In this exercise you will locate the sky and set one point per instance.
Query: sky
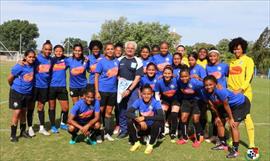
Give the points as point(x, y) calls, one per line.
point(195, 21)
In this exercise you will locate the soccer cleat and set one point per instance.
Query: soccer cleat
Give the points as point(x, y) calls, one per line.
point(54, 130)
point(136, 146)
point(71, 142)
point(220, 147)
point(173, 137)
point(116, 130)
point(44, 132)
point(108, 137)
point(63, 126)
point(25, 134)
point(31, 132)
point(149, 149)
point(181, 141)
point(196, 144)
point(90, 141)
point(14, 139)
point(99, 139)
point(232, 154)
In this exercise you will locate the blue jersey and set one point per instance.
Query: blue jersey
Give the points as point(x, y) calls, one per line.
point(147, 109)
point(146, 62)
point(84, 112)
point(198, 70)
point(167, 89)
point(108, 70)
point(92, 66)
point(77, 72)
point(161, 61)
point(23, 82)
point(190, 90)
point(220, 71)
point(58, 72)
point(220, 95)
point(148, 80)
point(42, 71)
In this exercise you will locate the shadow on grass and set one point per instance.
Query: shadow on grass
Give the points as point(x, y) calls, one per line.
point(47, 125)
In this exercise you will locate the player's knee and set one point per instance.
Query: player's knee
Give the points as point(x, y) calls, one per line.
point(71, 128)
point(97, 126)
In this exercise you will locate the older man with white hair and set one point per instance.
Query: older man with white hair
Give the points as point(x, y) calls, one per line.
point(130, 72)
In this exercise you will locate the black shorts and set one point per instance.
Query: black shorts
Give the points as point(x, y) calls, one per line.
point(18, 100)
point(240, 112)
point(221, 111)
point(40, 94)
point(91, 87)
point(59, 93)
point(108, 98)
point(170, 102)
point(190, 106)
point(76, 92)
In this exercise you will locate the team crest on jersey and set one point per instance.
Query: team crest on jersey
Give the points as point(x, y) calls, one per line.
point(155, 81)
point(115, 63)
point(218, 68)
point(190, 85)
point(167, 59)
point(15, 104)
point(172, 86)
point(150, 107)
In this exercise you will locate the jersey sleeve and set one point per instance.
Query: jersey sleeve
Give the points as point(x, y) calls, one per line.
point(16, 70)
point(97, 106)
point(249, 73)
point(99, 67)
point(157, 87)
point(136, 104)
point(222, 94)
point(158, 105)
point(226, 69)
point(75, 109)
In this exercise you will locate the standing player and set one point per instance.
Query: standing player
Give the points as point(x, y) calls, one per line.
point(240, 76)
point(58, 88)
point(181, 49)
point(20, 96)
point(150, 77)
point(84, 117)
point(196, 71)
point(155, 50)
point(106, 87)
point(149, 119)
point(202, 57)
point(145, 56)
point(177, 66)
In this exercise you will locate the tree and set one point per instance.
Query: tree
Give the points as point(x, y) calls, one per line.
point(69, 42)
point(143, 33)
point(223, 48)
point(10, 34)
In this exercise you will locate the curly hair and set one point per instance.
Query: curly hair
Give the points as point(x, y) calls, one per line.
point(94, 43)
point(238, 41)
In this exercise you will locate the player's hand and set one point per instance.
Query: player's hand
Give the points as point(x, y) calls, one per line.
point(232, 123)
point(126, 93)
point(139, 119)
point(84, 129)
point(195, 76)
point(143, 125)
point(98, 97)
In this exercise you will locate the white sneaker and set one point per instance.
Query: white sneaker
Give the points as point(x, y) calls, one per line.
point(116, 130)
point(166, 130)
point(31, 132)
point(108, 137)
point(43, 131)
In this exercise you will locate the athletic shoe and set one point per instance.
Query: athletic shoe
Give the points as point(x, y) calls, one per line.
point(196, 144)
point(99, 139)
point(211, 139)
point(44, 132)
point(90, 141)
point(122, 135)
point(116, 130)
point(64, 126)
point(71, 142)
point(31, 132)
point(25, 135)
point(108, 137)
point(173, 137)
point(232, 154)
point(181, 141)
point(14, 139)
point(149, 149)
point(220, 147)
point(136, 146)
point(54, 130)
point(166, 129)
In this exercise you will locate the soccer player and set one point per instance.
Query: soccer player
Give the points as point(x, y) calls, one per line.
point(196, 71)
point(118, 50)
point(226, 104)
point(145, 56)
point(155, 50)
point(202, 57)
point(84, 117)
point(145, 115)
point(106, 87)
point(163, 58)
point(77, 65)
point(165, 91)
point(181, 49)
point(58, 89)
point(190, 89)
point(240, 76)
point(95, 47)
point(150, 77)
point(20, 95)
point(177, 66)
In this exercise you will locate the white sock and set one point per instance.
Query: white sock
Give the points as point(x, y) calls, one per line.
point(41, 127)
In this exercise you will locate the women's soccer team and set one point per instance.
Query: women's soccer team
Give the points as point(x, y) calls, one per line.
point(169, 94)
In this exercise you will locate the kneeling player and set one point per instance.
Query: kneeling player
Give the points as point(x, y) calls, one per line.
point(149, 119)
point(235, 108)
point(84, 117)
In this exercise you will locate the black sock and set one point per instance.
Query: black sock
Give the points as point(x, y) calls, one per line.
point(64, 116)
point(13, 131)
point(30, 116)
point(235, 146)
point(116, 112)
point(198, 129)
point(41, 117)
point(173, 118)
point(22, 127)
point(222, 140)
point(155, 131)
point(108, 125)
point(184, 127)
point(73, 135)
point(52, 116)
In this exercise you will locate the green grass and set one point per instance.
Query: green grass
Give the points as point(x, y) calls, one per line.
point(56, 147)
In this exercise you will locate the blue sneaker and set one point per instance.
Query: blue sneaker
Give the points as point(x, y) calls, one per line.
point(89, 141)
point(64, 126)
point(54, 130)
point(71, 142)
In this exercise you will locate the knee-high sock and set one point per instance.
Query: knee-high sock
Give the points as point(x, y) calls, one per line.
point(108, 125)
point(184, 129)
point(13, 130)
point(199, 131)
point(30, 117)
point(52, 116)
point(174, 122)
point(41, 117)
point(64, 116)
point(250, 130)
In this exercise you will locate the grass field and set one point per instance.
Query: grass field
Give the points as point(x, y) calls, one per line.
point(56, 147)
